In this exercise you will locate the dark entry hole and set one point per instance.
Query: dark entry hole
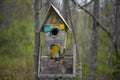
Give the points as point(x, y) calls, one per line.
point(60, 76)
point(55, 31)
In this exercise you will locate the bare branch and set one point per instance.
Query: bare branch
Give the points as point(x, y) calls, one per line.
point(107, 19)
point(42, 6)
point(87, 3)
point(101, 26)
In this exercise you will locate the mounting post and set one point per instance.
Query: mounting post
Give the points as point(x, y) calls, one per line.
point(37, 36)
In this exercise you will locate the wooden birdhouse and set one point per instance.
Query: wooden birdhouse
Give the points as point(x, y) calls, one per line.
point(54, 28)
point(53, 59)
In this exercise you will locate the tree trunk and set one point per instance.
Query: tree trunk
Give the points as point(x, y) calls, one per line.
point(65, 9)
point(37, 37)
point(116, 32)
point(84, 32)
point(94, 43)
point(48, 2)
point(116, 25)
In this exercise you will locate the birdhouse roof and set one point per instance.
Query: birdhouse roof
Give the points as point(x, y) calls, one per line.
point(58, 13)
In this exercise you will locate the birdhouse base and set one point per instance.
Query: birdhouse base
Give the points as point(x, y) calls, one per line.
point(50, 68)
point(56, 75)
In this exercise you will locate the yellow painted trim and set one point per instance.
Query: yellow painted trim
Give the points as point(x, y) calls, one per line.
point(61, 26)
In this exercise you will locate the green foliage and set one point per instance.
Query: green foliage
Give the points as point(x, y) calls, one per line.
point(1, 18)
point(16, 41)
point(16, 50)
point(103, 69)
point(16, 37)
point(116, 66)
point(85, 67)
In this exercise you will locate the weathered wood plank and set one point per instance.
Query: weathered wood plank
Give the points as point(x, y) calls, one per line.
point(56, 75)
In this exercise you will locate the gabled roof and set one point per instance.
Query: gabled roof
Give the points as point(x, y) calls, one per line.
point(58, 13)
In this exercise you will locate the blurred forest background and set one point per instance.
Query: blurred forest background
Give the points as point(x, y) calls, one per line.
point(96, 27)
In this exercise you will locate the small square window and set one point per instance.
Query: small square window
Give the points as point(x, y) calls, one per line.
point(47, 28)
point(61, 26)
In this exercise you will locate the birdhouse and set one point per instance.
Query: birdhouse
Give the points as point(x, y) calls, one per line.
point(54, 28)
point(54, 61)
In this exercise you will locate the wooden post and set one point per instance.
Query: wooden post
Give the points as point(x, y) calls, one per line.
point(37, 37)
